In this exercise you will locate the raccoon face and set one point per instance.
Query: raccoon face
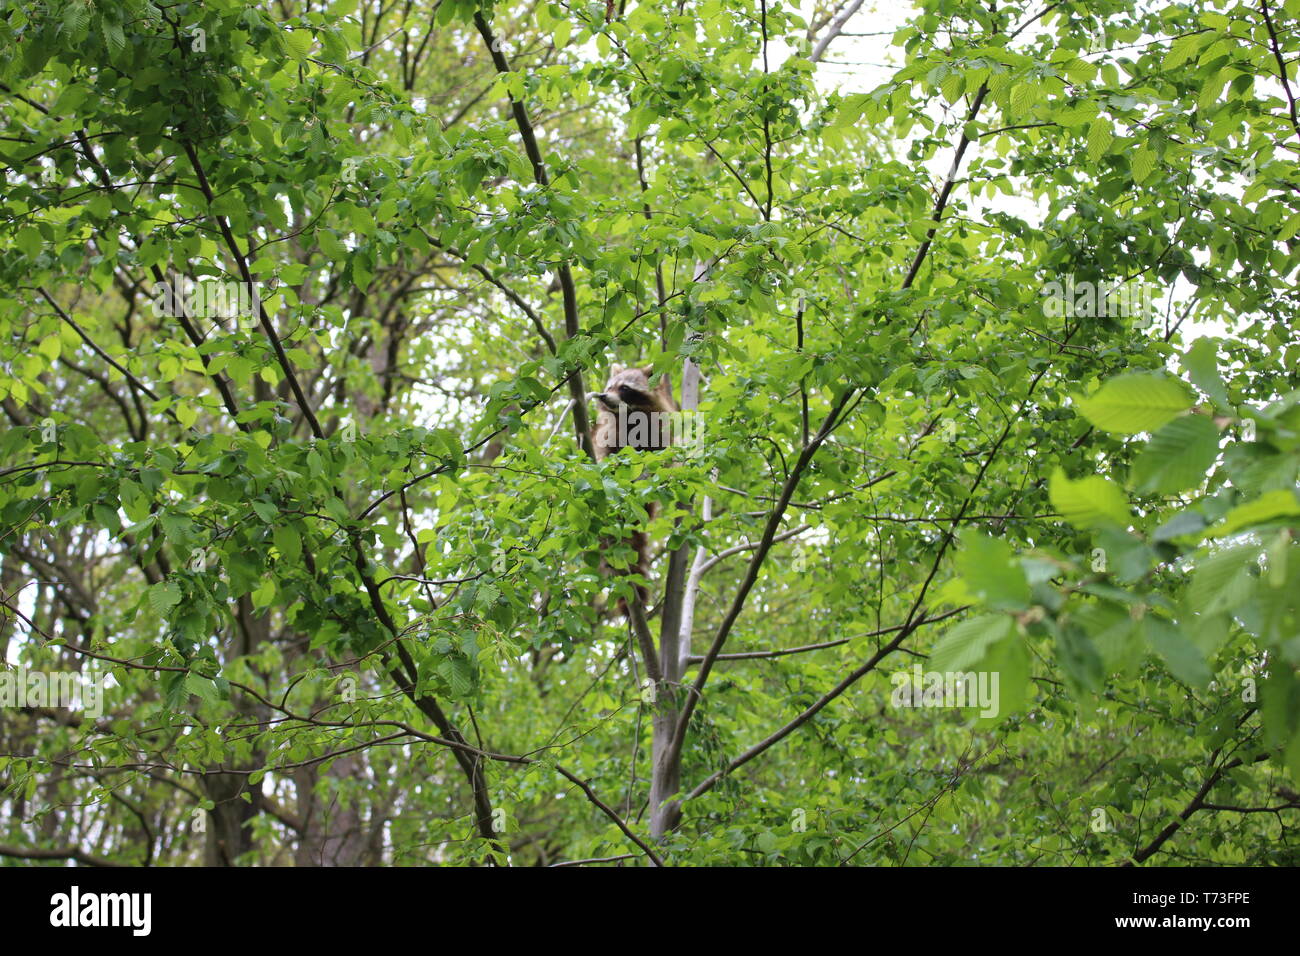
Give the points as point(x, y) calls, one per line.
point(628, 386)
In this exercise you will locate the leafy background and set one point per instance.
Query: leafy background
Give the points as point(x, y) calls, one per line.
point(339, 564)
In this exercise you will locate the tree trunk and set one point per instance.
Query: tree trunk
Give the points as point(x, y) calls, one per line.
point(333, 832)
point(666, 771)
point(228, 833)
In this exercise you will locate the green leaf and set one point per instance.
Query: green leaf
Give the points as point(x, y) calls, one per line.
point(1223, 581)
point(1279, 700)
point(1135, 403)
point(50, 347)
point(114, 38)
point(298, 43)
point(264, 593)
point(964, 645)
point(1144, 164)
point(991, 570)
point(1291, 758)
point(29, 241)
point(1182, 49)
point(1278, 503)
point(288, 542)
point(1110, 629)
point(459, 673)
point(850, 111)
point(362, 221)
point(1099, 139)
point(1127, 557)
point(1009, 659)
point(164, 596)
point(1184, 658)
point(1183, 523)
point(1201, 362)
point(954, 83)
point(1079, 658)
point(202, 688)
point(107, 518)
point(330, 244)
point(1178, 456)
point(1090, 502)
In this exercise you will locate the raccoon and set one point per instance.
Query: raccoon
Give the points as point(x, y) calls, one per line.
point(633, 415)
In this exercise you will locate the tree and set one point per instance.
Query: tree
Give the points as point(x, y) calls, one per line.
point(987, 553)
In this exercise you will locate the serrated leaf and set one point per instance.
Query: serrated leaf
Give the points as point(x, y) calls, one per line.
point(1127, 556)
point(850, 110)
point(1183, 523)
point(1144, 164)
point(114, 38)
point(952, 86)
point(1182, 49)
point(1110, 628)
point(1079, 658)
point(1278, 503)
point(298, 43)
point(1291, 758)
point(202, 688)
point(1090, 502)
point(964, 645)
point(1009, 660)
point(460, 676)
point(990, 569)
point(1099, 139)
point(164, 596)
point(1135, 403)
point(1279, 699)
point(1184, 659)
point(1023, 98)
point(1201, 362)
point(288, 542)
point(1212, 89)
point(1178, 456)
point(330, 244)
point(1222, 581)
point(29, 240)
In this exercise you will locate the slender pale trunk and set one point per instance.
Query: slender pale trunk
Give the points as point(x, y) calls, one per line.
point(665, 776)
point(693, 591)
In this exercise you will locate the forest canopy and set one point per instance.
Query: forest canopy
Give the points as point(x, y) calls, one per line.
point(980, 318)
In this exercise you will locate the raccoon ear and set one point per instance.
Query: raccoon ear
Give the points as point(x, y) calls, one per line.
point(649, 371)
point(616, 369)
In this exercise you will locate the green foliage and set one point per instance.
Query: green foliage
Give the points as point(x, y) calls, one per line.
point(297, 300)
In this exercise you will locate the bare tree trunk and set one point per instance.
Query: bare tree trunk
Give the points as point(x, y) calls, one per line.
point(665, 774)
point(333, 834)
point(9, 577)
point(228, 832)
point(229, 822)
point(693, 591)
